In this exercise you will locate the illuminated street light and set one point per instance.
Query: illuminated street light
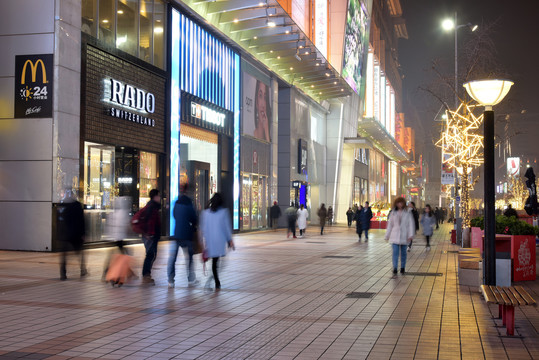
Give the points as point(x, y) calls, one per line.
point(489, 93)
point(448, 24)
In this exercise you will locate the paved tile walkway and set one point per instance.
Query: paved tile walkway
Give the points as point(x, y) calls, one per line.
point(281, 299)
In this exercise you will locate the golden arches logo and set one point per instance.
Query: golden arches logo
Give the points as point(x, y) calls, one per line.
point(33, 70)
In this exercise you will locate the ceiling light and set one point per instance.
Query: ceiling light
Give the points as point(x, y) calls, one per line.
point(306, 53)
point(120, 11)
point(291, 68)
point(342, 89)
point(301, 46)
point(320, 93)
point(287, 32)
point(256, 37)
point(271, 23)
point(317, 64)
point(334, 83)
point(312, 86)
point(236, 21)
point(271, 51)
point(260, 4)
point(278, 57)
point(327, 74)
point(105, 21)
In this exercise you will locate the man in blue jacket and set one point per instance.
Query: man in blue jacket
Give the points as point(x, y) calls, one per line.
point(184, 236)
point(365, 216)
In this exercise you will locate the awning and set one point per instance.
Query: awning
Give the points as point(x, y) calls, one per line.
point(382, 140)
point(266, 31)
point(358, 143)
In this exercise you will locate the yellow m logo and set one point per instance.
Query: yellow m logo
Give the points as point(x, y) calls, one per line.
point(33, 69)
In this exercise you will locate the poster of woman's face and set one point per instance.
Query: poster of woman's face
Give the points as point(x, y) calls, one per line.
point(256, 108)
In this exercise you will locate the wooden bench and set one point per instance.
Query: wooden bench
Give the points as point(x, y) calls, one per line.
point(507, 298)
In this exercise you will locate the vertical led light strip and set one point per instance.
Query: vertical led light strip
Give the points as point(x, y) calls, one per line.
point(369, 97)
point(174, 115)
point(392, 112)
point(236, 215)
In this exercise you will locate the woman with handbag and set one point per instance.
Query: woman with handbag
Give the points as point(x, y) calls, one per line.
point(217, 233)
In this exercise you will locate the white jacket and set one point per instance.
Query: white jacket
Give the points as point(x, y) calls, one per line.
point(302, 218)
point(216, 230)
point(400, 227)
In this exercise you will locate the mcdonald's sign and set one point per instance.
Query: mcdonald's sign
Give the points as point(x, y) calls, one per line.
point(33, 86)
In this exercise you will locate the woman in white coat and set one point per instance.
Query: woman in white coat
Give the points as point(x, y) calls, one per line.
point(400, 232)
point(303, 214)
point(217, 233)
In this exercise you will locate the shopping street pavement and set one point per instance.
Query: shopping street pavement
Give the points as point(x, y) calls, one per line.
point(281, 299)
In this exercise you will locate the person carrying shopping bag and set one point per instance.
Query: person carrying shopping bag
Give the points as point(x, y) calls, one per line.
point(400, 231)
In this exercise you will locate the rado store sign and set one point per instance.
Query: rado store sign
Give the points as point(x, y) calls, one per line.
point(129, 102)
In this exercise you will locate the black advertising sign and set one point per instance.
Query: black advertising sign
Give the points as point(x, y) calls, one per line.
point(33, 86)
point(302, 157)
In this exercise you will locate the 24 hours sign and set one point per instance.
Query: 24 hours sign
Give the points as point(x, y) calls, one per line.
point(33, 86)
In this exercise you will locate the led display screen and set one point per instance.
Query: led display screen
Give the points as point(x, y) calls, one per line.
point(356, 45)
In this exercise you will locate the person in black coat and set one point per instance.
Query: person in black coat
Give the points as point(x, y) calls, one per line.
point(365, 216)
point(349, 216)
point(415, 213)
point(275, 214)
point(509, 212)
point(71, 231)
point(184, 236)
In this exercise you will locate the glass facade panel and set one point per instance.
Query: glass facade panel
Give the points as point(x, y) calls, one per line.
point(107, 22)
point(145, 21)
point(134, 26)
point(148, 176)
point(127, 32)
point(159, 36)
point(89, 16)
point(98, 175)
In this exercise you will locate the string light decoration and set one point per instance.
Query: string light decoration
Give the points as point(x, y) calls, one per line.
point(462, 142)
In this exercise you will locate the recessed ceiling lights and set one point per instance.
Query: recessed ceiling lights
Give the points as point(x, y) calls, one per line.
point(287, 32)
point(256, 37)
point(312, 86)
point(317, 64)
point(235, 21)
point(334, 83)
point(271, 51)
point(327, 74)
point(120, 11)
point(291, 68)
point(278, 57)
point(271, 24)
point(306, 53)
point(105, 21)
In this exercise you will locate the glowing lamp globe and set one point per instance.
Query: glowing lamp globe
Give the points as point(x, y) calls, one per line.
point(488, 92)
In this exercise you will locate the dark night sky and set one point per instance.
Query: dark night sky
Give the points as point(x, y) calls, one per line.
point(516, 37)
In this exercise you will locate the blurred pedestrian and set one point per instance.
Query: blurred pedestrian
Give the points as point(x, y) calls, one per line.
point(357, 218)
point(509, 212)
point(400, 231)
point(415, 214)
point(350, 216)
point(275, 214)
point(303, 214)
point(437, 216)
point(291, 217)
point(151, 234)
point(428, 221)
point(71, 230)
point(330, 216)
point(322, 215)
point(118, 226)
point(217, 233)
point(365, 216)
point(185, 236)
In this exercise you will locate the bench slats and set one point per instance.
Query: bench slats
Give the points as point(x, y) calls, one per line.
point(488, 295)
point(499, 299)
point(525, 295)
point(504, 297)
point(509, 295)
point(517, 296)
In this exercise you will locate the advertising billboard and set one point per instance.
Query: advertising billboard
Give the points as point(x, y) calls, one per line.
point(256, 108)
point(513, 166)
point(321, 26)
point(33, 86)
point(448, 174)
point(356, 45)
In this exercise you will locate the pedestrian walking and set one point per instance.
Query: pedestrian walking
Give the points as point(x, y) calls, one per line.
point(217, 233)
point(365, 216)
point(437, 216)
point(291, 217)
point(151, 233)
point(330, 216)
point(303, 214)
point(185, 237)
point(400, 231)
point(415, 214)
point(275, 214)
point(117, 227)
point(357, 218)
point(71, 230)
point(428, 221)
point(350, 216)
point(322, 215)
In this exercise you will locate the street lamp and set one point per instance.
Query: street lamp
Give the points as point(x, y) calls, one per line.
point(489, 93)
point(451, 25)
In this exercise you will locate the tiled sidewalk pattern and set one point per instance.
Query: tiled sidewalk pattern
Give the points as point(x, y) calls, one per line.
point(281, 299)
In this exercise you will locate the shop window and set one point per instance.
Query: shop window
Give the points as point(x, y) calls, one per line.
point(148, 176)
point(254, 201)
point(107, 21)
point(89, 16)
point(134, 26)
point(98, 176)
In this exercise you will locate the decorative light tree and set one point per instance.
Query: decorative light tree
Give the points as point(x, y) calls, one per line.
point(464, 145)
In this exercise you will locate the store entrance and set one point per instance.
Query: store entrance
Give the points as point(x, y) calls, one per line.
point(199, 177)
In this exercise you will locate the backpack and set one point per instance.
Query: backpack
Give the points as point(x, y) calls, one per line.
point(139, 221)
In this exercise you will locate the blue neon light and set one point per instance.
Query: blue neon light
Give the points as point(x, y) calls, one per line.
point(203, 66)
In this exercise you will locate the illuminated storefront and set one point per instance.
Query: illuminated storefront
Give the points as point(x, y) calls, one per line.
point(122, 133)
point(204, 115)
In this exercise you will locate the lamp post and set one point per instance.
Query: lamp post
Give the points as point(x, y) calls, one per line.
point(448, 25)
point(489, 93)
